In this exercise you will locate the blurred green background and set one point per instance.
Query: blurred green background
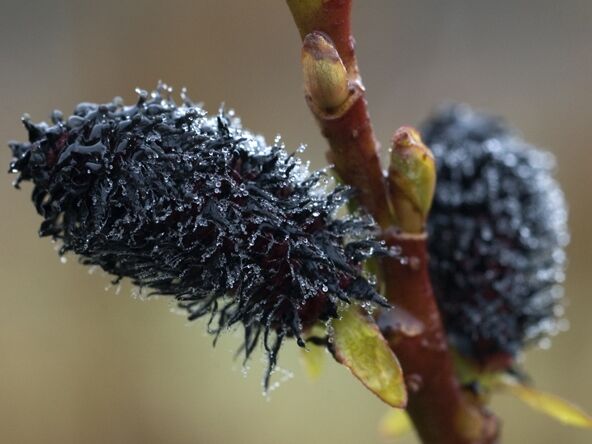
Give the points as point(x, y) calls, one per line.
point(82, 365)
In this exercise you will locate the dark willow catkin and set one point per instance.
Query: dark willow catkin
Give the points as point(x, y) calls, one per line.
point(200, 209)
point(497, 234)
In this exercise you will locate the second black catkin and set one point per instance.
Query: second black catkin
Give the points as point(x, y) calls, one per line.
point(200, 209)
point(497, 231)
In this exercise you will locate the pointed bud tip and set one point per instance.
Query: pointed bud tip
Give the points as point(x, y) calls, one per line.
point(409, 137)
point(320, 46)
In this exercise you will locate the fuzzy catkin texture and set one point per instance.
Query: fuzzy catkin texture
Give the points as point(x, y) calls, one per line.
point(498, 228)
point(198, 208)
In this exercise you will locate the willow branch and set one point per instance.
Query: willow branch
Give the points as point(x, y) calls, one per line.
point(440, 409)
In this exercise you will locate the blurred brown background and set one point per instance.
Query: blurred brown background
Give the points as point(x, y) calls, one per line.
point(81, 365)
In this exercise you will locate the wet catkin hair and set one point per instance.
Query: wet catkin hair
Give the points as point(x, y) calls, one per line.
point(198, 208)
point(497, 234)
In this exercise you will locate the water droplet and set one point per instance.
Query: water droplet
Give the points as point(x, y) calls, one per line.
point(245, 370)
point(414, 382)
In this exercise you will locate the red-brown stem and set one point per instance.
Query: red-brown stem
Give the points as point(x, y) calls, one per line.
point(354, 152)
point(441, 411)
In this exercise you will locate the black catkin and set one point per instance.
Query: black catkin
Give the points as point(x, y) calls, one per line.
point(497, 234)
point(198, 208)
